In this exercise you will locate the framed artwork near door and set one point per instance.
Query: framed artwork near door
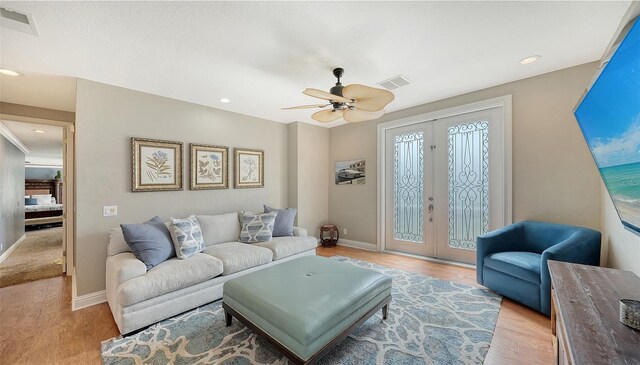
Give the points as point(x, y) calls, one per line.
point(350, 172)
point(156, 165)
point(209, 167)
point(248, 168)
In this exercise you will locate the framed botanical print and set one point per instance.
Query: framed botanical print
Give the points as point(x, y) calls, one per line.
point(155, 165)
point(209, 167)
point(248, 168)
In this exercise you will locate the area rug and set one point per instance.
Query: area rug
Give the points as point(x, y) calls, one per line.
point(431, 321)
point(39, 256)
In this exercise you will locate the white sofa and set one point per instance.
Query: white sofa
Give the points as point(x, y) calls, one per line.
point(139, 298)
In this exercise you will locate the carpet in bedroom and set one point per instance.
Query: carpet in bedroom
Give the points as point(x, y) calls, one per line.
point(38, 257)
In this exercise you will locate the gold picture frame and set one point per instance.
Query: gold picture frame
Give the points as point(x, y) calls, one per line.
point(248, 167)
point(209, 167)
point(156, 165)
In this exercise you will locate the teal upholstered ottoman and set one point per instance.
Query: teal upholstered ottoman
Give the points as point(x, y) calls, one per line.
point(306, 306)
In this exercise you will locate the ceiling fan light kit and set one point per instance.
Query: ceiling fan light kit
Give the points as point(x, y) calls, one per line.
point(355, 102)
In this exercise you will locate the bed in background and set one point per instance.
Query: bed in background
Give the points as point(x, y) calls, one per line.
point(47, 208)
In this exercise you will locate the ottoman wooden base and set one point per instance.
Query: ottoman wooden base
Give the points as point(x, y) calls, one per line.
point(229, 313)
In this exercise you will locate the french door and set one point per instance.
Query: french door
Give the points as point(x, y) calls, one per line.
point(444, 184)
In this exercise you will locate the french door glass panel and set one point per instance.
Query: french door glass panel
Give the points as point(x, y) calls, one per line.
point(408, 184)
point(468, 174)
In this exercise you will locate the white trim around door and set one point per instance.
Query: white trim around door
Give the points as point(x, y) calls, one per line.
point(503, 102)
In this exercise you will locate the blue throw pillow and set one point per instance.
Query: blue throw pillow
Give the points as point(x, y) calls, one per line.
point(30, 201)
point(283, 225)
point(150, 241)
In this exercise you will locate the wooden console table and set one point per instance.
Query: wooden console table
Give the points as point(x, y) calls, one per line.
point(585, 312)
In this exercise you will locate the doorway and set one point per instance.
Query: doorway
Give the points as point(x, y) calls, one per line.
point(45, 250)
point(446, 178)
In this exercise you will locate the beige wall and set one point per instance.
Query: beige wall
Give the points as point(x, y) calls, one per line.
point(292, 178)
point(309, 175)
point(621, 248)
point(313, 177)
point(554, 177)
point(106, 118)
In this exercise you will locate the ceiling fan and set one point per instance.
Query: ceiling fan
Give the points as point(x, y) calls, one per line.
point(354, 103)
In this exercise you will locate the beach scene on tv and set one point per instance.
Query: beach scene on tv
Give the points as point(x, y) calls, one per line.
point(609, 117)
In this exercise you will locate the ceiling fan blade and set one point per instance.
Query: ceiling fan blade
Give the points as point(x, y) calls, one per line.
point(326, 116)
point(368, 98)
point(356, 115)
point(307, 106)
point(325, 95)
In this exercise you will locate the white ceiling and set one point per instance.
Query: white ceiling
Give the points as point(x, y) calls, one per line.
point(45, 148)
point(262, 55)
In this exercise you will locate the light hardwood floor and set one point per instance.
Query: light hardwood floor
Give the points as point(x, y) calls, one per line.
point(37, 325)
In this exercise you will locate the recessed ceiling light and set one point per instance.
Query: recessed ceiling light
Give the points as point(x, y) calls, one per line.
point(527, 60)
point(6, 71)
point(224, 100)
point(39, 131)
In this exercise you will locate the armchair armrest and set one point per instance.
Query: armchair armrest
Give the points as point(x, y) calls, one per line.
point(500, 240)
point(299, 232)
point(582, 247)
point(120, 268)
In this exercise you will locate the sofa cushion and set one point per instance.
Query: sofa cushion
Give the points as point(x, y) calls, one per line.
point(257, 227)
point(219, 228)
point(187, 236)
point(236, 256)
point(523, 265)
point(286, 246)
point(117, 244)
point(150, 241)
point(283, 225)
point(169, 276)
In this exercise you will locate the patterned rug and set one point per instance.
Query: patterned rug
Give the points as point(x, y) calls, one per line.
point(431, 321)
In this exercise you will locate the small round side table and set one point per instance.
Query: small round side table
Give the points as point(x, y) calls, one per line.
point(333, 235)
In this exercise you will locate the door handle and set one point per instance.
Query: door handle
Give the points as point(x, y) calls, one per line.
point(430, 207)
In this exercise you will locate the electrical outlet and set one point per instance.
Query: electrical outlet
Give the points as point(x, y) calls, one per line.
point(109, 210)
point(344, 230)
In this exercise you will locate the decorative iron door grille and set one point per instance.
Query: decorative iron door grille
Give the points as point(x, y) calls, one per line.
point(468, 172)
point(408, 186)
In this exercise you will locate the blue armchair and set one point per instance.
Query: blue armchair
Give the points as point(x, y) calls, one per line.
point(513, 260)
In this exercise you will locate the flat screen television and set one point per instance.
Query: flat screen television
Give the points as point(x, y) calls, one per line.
point(609, 117)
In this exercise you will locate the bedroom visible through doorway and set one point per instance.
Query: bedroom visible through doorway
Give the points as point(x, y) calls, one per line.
point(41, 252)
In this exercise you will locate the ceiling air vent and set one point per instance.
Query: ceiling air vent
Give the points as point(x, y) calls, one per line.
point(17, 21)
point(395, 82)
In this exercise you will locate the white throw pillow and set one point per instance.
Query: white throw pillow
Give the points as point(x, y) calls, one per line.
point(187, 236)
point(43, 199)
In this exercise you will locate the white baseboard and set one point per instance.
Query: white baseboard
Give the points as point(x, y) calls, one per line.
point(357, 244)
point(12, 248)
point(87, 300)
point(433, 259)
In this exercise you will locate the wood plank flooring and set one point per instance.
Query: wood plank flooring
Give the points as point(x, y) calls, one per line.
point(37, 325)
